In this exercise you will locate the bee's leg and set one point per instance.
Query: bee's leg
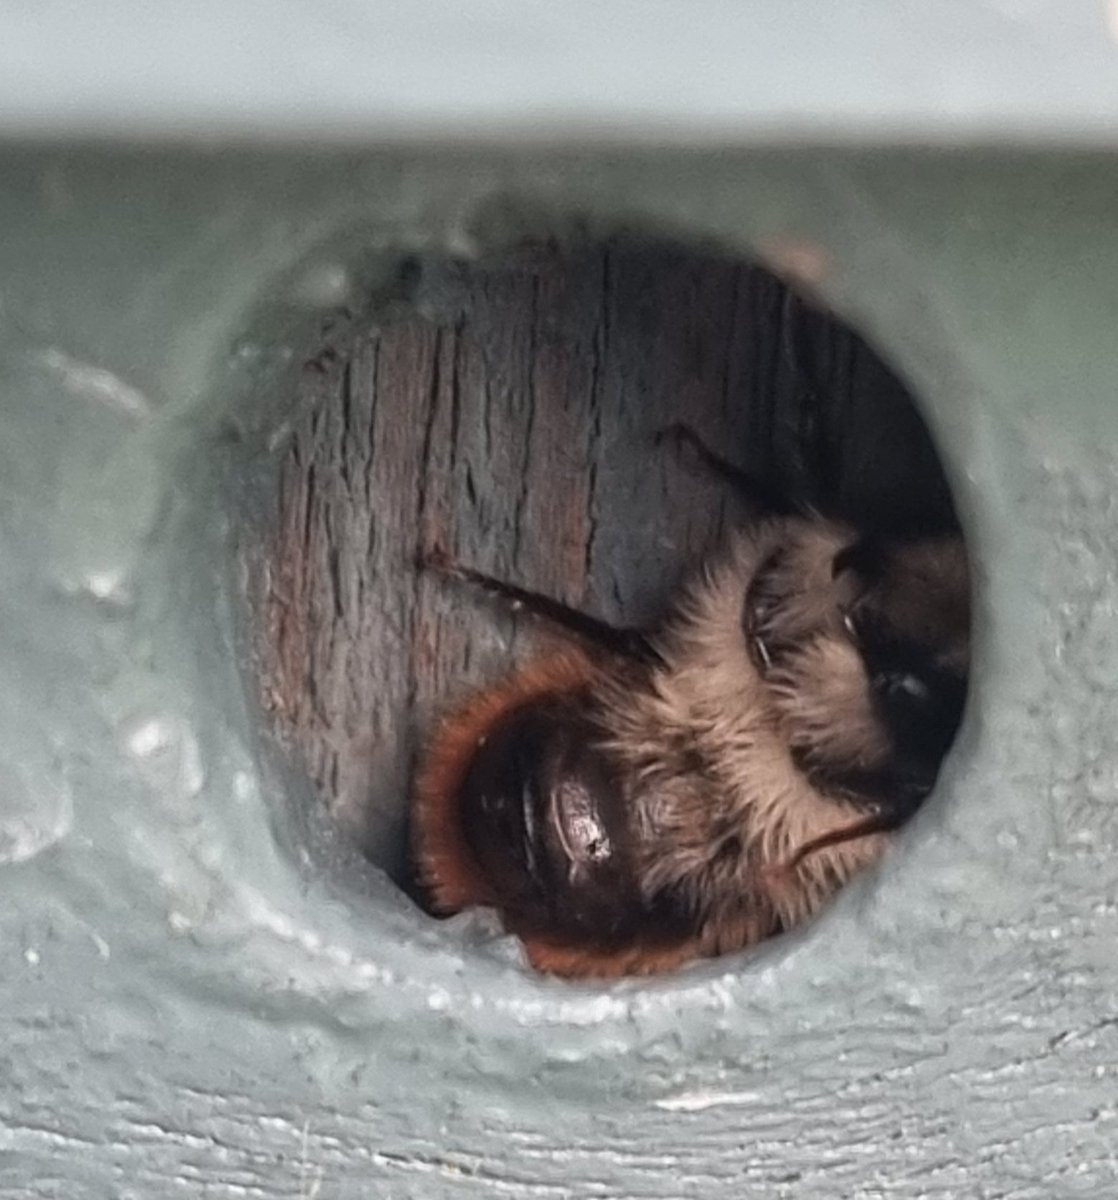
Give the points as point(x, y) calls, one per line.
point(880, 822)
point(696, 453)
point(627, 642)
point(781, 875)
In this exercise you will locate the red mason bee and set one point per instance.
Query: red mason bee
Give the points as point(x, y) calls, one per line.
point(647, 797)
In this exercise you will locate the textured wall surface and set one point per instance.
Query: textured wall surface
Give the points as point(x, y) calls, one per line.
point(203, 997)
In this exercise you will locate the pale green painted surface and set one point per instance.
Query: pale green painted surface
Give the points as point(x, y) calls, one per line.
point(189, 1007)
point(684, 71)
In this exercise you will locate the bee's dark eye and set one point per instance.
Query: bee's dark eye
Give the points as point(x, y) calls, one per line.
point(906, 684)
point(864, 557)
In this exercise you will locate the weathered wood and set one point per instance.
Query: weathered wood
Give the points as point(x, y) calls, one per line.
point(510, 418)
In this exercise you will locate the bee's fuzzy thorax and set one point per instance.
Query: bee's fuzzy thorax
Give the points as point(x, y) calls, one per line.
point(721, 793)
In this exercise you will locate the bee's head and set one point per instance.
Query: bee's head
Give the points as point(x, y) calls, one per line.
point(872, 689)
point(909, 619)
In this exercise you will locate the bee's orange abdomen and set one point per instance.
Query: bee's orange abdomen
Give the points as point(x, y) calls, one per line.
point(447, 868)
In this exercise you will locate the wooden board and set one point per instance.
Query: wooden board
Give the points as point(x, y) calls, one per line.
point(510, 417)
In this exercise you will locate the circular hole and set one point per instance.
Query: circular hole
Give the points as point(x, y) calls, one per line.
point(505, 412)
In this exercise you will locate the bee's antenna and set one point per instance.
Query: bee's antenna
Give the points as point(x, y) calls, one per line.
point(624, 641)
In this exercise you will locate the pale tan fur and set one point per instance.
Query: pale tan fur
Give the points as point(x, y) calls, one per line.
point(707, 743)
point(819, 689)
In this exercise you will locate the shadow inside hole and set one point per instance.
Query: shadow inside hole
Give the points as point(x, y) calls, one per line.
point(507, 412)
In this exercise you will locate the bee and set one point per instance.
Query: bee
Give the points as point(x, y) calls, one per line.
point(641, 798)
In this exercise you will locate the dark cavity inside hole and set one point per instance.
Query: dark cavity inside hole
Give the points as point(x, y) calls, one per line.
point(506, 410)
